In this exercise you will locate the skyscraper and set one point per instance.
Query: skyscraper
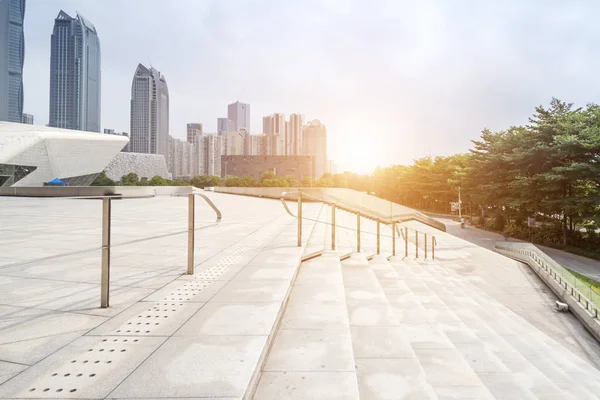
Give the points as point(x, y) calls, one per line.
point(27, 119)
point(12, 54)
point(239, 115)
point(223, 126)
point(74, 74)
point(193, 129)
point(314, 143)
point(274, 130)
point(149, 123)
point(293, 135)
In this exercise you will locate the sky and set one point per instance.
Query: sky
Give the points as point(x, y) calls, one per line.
point(392, 80)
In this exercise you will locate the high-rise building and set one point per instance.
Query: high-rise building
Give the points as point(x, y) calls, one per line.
point(274, 130)
point(149, 113)
point(234, 143)
point(109, 131)
point(239, 115)
point(224, 125)
point(256, 145)
point(193, 129)
point(314, 143)
point(74, 74)
point(27, 119)
point(213, 150)
point(293, 135)
point(12, 55)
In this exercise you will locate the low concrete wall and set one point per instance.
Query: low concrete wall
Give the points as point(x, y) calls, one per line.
point(95, 191)
point(591, 323)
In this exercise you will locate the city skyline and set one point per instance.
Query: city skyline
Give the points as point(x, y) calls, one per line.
point(413, 78)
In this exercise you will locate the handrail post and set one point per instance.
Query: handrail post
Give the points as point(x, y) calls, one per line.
point(105, 274)
point(378, 237)
point(416, 244)
point(433, 247)
point(405, 241)
point(425, 246)
point(191, 220)
point(333, 227)
point(358, 232)
point(300, 219)
point(393, 238)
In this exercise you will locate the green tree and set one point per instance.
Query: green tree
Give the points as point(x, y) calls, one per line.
point(131, 179)
point(158, 181)
point(102, 180)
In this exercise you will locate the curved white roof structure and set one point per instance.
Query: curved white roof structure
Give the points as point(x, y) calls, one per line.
point(32, 155)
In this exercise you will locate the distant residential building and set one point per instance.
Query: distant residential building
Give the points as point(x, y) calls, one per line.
point(27, 119)
point(181, 161)
point(293, 135)
point(254, 166)
point(193, 129)
point(274, 131)
point(214, 148)
point(12, 55)
point(239, 115)
point(256, 145)
point(234, 143)
point(224, 125)
point(149, 123)
point(74, 74)
point(314, 143)
point(109, 131)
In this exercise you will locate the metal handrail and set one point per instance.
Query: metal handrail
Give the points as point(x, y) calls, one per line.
point(553, 269)
point(106, 240)
point(358, 213)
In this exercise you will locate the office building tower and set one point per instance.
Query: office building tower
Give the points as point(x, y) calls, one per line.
point(149, 113)
point(223, 126)
point(27, 119)
point(213, 149)
point(74, 74)
point(239, 115)
point(193, 129)
point(293, 135)
point(314, 143)
point(12, 55)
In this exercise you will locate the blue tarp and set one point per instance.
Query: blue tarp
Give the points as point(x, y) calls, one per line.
point(56, 181)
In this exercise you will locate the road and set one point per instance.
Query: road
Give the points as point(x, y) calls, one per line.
point(487, 239)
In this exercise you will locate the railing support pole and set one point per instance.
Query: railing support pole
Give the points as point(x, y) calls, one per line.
point(378, 238)
point(416, 244)
point(393, 238)
point(433, 247)
point(191, 224)
point(358, 232)
point(333, 227)
point(425, 246)
point(105, 275)
point(405, 241)
point(299, 219)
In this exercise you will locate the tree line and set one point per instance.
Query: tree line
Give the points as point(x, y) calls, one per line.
point(549, 168)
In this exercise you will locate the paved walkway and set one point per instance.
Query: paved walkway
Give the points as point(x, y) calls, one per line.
point(487, 239)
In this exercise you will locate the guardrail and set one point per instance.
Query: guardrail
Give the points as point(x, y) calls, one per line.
point(106, 240)
point(395, 226)
point(571, 285)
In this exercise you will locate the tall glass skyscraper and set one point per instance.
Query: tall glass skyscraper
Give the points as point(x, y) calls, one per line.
point(12, 54)
point(74, 74)
point(149, 113)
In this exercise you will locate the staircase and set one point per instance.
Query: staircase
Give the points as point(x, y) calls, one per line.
point(380, 327)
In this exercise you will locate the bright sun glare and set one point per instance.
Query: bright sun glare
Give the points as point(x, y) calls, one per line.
point(355, 154)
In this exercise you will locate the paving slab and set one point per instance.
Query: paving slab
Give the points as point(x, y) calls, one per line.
point(307, 385)
point(200, 366)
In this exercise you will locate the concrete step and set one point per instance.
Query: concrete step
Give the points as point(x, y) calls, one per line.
point(512, 358)
point(311, 356)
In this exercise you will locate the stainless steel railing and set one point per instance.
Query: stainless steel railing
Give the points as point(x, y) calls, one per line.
point(106, 240)
point(395, 225)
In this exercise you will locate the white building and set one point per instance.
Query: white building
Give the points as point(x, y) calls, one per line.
point(214, 148)
point(27, 119)
point(234, 143)
point(193, 129)
point(223, 126)
point(314, 143)
point(239, 115)
point(293, 135)
point(32, 155)
point(256, 145)
point(274, 131)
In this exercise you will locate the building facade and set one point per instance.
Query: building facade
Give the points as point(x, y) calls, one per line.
point(214, 148)
point(74, 74)
point(223, 126)
point(293, 135)
point(254, 166)
point(274, 131)
point(239, 115)
point(12, 56)
point(27, 119)
point(193, 129)
point(314, 144)
point(149, 123)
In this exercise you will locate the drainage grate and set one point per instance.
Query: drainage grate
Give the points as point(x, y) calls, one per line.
point(85, 370)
